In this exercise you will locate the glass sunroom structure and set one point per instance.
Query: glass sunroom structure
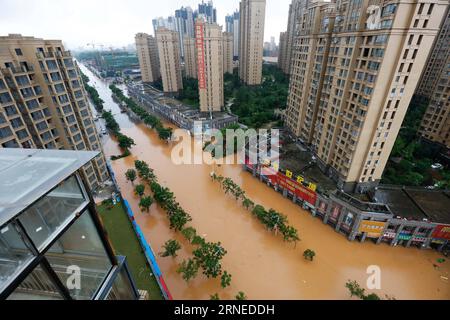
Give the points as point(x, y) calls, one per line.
point(52, 244)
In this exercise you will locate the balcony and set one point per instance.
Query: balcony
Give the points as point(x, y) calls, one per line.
point(46, 210)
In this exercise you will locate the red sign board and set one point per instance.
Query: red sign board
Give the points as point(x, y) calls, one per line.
point(300, 191)
point(296, 188)
point(442, 232)
point(199, 43)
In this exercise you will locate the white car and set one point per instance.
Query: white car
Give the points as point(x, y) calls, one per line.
point(437, 166)
point(104, 131)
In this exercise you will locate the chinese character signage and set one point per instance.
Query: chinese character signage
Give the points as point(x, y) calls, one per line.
point(441, 232)
point(200, 55)
point(372, 228)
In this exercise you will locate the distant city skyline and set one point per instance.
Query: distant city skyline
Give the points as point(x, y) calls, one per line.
point(111, 23)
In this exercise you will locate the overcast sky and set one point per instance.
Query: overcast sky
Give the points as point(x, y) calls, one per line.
point(112, 22)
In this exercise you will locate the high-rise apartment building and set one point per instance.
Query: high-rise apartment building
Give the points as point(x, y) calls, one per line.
point(169, 60)
point(190, 57)
point(184, 24)
point(355, 67)
point(227, 52)
point(147, 52)
point(282, 50)
point(43, 103)
point(208, 37)
point(295, 10)
point(251, 39)
point(434, 86)
point(207, 11)
point(232, 25)
point(168, 23)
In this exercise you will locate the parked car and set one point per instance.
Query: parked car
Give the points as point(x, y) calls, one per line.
point(437, 166)
point(104, 131)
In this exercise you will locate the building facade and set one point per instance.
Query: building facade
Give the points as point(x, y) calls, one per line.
point(227, 52)
point(251, 40)
point(232, 25)
point(160, 22)
point(147, 52)
point(434, 86)
point(207, 11)
point(43, 103)
point(209, 45)
point(355, 67)
point(51, 232)
point(169, 60)
point(190, 57)
point(184, 24)
point(295, 12)
point(281, 51)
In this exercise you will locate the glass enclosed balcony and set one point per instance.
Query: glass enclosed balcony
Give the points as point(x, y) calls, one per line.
point(52, 245)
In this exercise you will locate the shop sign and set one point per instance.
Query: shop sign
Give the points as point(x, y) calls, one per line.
point(372, 228)
point(441, 232)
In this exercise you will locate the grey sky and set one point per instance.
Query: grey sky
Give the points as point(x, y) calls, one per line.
point(112, 22)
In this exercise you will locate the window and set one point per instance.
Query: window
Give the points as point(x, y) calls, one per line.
point(14, 253)
point(80, 245)
point(121, 288)
point(36, 286)
point(5, 132)
point(425, 23)
point(430, 8)
point(420, 9)
point(18, 51)
point(419, 40)
point(5, 97)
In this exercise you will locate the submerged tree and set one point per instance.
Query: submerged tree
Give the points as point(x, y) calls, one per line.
point(241, 296)
point(214, 296)
point(188, 269)
point(309, 254)
point(225, 279)
point(170, 248)
point(139, 190)
point(130, 174)
point(145, 203)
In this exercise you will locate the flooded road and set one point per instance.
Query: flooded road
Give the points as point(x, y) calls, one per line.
point(261, 264)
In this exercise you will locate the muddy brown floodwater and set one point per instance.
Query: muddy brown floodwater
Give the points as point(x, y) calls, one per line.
point(261, 264)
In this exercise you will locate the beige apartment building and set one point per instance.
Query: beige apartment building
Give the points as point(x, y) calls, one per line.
point(282, 51)
point(209, 44)
point(355, 67)
point(228, 52)
point(147, 52)
point(251, 40)
point(169, 60)
point(434, 86)
point(284, 59)
point(190, 57)
point(43, 103)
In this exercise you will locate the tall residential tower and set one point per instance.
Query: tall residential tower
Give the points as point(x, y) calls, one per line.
point(251, 38)
point(355, 67)
point(43, 103)
point(169, 60)
point(435, 87)
point(210, 65)
point(147, 52)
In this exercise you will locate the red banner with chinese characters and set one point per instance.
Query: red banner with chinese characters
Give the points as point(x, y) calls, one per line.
point(441, 232)
point(200, 55)
point(299, 190)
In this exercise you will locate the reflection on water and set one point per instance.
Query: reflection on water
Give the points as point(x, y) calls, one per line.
point(262, 265)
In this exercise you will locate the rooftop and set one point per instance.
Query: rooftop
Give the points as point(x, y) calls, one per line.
point(416, 203)
point(28, 174)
